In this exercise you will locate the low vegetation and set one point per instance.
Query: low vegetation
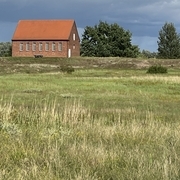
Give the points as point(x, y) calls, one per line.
point(96, 123)
point(12, 65)
point(67, 69)
point(156, 69)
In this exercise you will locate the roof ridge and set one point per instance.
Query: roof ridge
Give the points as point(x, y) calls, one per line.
point(47, 20)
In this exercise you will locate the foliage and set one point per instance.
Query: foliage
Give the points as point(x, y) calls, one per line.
point(5, 49)
point(105, 40)
point(169, 42)
point(156, 69)
point(148, 54)
point(67, 69)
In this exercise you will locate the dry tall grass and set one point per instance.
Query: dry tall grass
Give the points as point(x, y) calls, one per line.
point(74, 142)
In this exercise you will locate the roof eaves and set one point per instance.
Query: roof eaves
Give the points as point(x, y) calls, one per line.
point(37, 39)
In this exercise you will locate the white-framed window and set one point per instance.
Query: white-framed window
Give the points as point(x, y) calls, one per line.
point(27, 46)
point(74, 37)
point(47, 46)
point(60, 46)
point(34, 46)
point(40, 46)
point(21, 47)
point(53, 46)
point(74, 47)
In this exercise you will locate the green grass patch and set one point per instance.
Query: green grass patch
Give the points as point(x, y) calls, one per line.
point(91, 124)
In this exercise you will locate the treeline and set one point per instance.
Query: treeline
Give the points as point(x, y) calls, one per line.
point(104, 40)
point(111, 40)
point(107, 40)
point(5, 49)
point(148, 54)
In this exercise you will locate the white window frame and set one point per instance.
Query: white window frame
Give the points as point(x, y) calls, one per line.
point(21, 47)
point(74, 36)
point(74, 47)
point(53, 46)
point(27, 46)
point(47, 46)
point(34, 46)
point(60, 46)
point(40, 46)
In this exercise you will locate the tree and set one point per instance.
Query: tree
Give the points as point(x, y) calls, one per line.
point(5, 49)
point(169, 42)
point(105, 40)
point(148, 54)
point(9, 52)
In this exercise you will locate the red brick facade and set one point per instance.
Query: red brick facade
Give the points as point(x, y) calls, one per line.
point(48, 48)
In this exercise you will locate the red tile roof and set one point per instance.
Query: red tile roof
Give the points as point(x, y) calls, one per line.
point(43, 30)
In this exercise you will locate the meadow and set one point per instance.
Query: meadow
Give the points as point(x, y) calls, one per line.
point(107, 120)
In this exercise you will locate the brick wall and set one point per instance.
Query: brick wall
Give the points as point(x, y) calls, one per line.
point(30, 52)
point(74, 44)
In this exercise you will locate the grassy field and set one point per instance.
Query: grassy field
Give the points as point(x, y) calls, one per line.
point(107, 120)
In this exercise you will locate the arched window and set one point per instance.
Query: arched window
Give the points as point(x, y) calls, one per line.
point(27, 46)
point(60, 46)
point(53, 46)
point(40, 46)
point(74, 37)
point(34, 46)
point(21, 47)
point(47, 46)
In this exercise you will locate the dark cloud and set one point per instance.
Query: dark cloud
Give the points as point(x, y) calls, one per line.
point(143, 18)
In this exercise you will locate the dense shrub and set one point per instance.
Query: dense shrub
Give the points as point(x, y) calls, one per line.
point(156, 69)
point(67, 69)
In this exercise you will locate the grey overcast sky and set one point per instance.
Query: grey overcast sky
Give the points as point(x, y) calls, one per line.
point(143, 18)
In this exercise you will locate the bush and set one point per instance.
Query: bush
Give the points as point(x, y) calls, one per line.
point(67, 69)
point(156, 69)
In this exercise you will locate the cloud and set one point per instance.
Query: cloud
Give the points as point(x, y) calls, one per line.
point(89, 12)
point(143, 18)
